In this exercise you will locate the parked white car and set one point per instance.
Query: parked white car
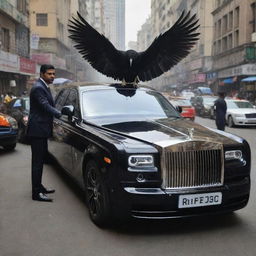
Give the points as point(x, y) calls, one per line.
point(240, 112)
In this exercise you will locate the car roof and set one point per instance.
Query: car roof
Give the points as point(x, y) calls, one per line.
point(86, 86)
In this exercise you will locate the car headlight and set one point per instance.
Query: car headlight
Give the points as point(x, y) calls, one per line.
point(233, 155)
point(8, 121)
point(239, 115)
point(141, 161)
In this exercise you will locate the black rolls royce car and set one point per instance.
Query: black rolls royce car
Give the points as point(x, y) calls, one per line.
point(134, 155)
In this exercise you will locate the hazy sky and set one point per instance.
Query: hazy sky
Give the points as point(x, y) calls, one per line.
point(136, 13)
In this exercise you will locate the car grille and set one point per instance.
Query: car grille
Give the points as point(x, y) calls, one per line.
point(199, 165)
point(253, 115)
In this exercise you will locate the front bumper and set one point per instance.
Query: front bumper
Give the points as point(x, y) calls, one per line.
point(8, 138)
point(155, 203)
point(244, 121)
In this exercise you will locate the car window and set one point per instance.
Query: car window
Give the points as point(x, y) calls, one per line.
point(61, 98)
point(126, 102)
point(17, 103)
point(72, 99)
point(239, 104)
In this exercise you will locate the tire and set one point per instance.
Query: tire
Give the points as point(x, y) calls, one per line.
point(22, 135)
point(230, 121)
point(97, 197)
point(10, 147)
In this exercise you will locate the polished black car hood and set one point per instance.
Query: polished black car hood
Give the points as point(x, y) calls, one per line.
point(165, 131)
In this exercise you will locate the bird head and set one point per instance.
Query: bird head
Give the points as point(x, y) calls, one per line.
point(131, 55)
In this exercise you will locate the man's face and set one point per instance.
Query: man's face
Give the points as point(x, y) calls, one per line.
point(48, 76)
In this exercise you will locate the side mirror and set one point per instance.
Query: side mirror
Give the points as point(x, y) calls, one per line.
point(179, 109)
point(68, 111)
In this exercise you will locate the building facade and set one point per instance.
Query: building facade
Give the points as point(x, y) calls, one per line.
point(15, 64)
point(234, 51)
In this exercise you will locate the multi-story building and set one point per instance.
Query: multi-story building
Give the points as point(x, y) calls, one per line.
point(49, 26)
point(144, 35)
point(193, 69)
point(114, 11)
point(48, 23)
point(234, 51)
point(15, 65)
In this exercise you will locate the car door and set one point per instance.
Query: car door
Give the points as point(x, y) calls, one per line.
point(59, 145)
point(76, 139)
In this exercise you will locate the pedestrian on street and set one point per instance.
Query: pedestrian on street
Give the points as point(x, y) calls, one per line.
point(40, 123)
point(221, 109)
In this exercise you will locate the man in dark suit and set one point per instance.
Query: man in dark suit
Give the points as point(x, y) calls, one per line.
point(40, 123)
point(221, 109)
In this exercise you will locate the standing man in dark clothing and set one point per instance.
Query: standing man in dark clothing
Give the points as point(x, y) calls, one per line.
point(221, 109)
point(40, 125)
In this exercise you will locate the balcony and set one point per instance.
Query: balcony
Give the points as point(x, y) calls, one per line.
point(9, 9)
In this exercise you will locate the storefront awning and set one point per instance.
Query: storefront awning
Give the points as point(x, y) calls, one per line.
point(249, 79)
point(228, 81)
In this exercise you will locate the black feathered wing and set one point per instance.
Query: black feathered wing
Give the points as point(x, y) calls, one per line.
point(167, 49)
point(96, 48)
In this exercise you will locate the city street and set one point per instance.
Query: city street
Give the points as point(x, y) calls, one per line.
point(63, 228)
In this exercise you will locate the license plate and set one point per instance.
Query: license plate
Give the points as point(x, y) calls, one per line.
point(199, 200)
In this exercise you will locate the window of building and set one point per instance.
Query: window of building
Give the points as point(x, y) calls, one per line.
point(237, 14)
point(225, 43)
point(5, 39)
point(253, 21)
point(230, 41)
point(22, 6)
point(214, 48)
point(219, 28)
point(215, 30)
point(42, 19)
point(219, 46)
point(230, 20)
point(225, 23)
point(236, 39)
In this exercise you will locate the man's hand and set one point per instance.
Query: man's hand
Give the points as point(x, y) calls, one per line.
point(58, 114)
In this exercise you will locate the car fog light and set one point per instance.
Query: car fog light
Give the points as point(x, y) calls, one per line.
point(233, 155)
point(140, 178)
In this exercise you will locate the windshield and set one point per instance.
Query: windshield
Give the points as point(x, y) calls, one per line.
point(239, 104)
point(209, 100)
point(126, 103)
point(184, 103)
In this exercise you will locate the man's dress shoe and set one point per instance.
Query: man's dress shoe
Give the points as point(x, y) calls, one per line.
point(47, 191)
point(41, 197)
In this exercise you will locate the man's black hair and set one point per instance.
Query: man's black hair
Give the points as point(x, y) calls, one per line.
point(45, 67)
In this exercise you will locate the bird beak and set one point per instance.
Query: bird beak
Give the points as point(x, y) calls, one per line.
point(130, 62)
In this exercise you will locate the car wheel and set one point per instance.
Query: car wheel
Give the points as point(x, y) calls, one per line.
point(97, 197)
point(230, 121)
point(10, 147)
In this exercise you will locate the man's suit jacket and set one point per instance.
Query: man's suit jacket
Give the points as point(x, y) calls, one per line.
point(42, 111)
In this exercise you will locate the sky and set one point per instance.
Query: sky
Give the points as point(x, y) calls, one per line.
point(136, 13)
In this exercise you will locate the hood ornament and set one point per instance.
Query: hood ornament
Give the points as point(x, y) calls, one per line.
point(191, 133)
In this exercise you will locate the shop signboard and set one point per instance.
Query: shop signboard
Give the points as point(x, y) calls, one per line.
point(27, 66)
point(9, 62)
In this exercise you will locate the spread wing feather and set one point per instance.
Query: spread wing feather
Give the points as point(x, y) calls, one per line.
point(96, 48)
point(168, 49)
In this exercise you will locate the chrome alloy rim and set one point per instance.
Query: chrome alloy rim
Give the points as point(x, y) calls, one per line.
point(94, 191)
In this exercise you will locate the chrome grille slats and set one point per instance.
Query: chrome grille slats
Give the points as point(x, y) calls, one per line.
point(192, 164)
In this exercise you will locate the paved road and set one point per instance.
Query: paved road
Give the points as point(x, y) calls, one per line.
point(63, 228)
